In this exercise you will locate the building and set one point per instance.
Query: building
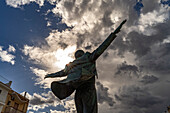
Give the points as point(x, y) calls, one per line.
point(12, 102)
point(4, 89)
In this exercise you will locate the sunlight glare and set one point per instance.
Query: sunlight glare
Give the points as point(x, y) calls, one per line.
point(64, 56)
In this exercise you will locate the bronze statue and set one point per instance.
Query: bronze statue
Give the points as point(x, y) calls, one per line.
point(81, 77)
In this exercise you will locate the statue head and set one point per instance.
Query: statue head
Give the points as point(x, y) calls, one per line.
point(79, 53)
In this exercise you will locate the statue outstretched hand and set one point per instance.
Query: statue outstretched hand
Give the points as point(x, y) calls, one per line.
point(47, 76)
point(57, 74)
point(120, 26)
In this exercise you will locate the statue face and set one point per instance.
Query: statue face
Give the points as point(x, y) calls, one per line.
point(79, 53)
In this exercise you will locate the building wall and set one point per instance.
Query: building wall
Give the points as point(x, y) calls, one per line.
point(3, 95)
point(10, 104)
point(1, 106)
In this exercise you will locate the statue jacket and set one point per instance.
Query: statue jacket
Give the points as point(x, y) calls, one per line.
point(84, 67)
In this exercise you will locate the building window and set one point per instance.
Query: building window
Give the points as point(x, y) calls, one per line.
point(16, 106)
point(0, 91)
point(12, 98)
point(9, 102)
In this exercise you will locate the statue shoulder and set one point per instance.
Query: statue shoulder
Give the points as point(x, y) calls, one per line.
point(88, 53)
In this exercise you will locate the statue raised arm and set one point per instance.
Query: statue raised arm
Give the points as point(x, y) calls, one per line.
point(96, 53)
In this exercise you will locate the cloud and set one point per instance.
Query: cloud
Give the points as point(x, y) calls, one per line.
point(39, 79)
point(44, 100)
point(47, 99)
point(5, 56)
point(41, 101)
point(52, 57)
point(149, 29)
point(156, 59)
point(134, 98)
point(55, 111)
point(47, 55)
point(18, 3)
point(148, 7)
point(11, 49)
point(127, 70)
point(103, 95)
point(149, 79)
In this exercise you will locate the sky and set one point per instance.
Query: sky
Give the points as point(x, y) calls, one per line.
point(40, 36)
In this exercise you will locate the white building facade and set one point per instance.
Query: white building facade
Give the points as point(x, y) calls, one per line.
point(4, 89)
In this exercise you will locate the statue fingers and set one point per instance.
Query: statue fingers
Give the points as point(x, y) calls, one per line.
point(124, 21)
point(119, 27)
point(47, 76)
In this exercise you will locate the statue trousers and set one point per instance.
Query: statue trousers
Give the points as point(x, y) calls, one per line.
point(86, 99)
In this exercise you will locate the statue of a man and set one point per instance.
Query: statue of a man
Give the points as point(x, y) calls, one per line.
point(81, 77)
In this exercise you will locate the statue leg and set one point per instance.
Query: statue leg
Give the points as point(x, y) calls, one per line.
point(78, 102)
point(86, 101)
point(89, 100)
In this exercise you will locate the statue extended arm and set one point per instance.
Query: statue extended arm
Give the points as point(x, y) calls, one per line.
point(57, 74)
point(96, 53)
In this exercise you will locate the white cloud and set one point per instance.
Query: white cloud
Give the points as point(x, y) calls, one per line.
point(44, 100)
point(155, 17)
point(167, 40)
point(11, 49)
point(149, 20)
point(18, 3)
point(47, 55)
point(7, 57)
point(41, 101)
point(48, 23)
point(55, 111)
point(53, 57)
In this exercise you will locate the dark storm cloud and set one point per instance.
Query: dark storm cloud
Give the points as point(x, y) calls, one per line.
point(136, 43)
point(127, 70)
point(94, 38)
point(127, 10)
point(106, 19)
point(77, 11)
point(103, 95)
point(136, 98)
point(149, 7)
point(149, 79)
point(69, 5)
point(158, 61)
point(149, 56)
point(139, 44)
point(84, 5)
point(80, 40)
